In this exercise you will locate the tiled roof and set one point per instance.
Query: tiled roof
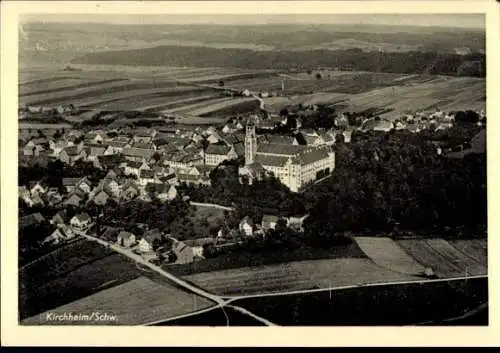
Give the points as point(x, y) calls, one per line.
point(157, 188)
point(135, 165)
point(70, 181)
point(273, 161)
point(147, 174)
point(221, 150)
point(138, 152)
point(31, 219)
point(71, 151)
point(311, 156)
point(204, 169)
point(277, 149)
point(97, 151)
point(269, 218)
point(279, 139)
point(117, 144)
point(189, 177)
point(83, 217)
point(125, 235)
point(143, 145)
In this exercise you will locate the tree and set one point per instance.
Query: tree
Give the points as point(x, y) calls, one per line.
point(318, 76)
point(221, 83)
point(309, 72)
point(57, 134)
point(156, 156)
point(284, 112)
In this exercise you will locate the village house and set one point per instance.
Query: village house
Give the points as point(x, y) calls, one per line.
point(296, 222)
point(137, 154)
point(34, 200)
point(53, 197)
point(216, 154)
point(115, 147)
point(144, 146)
point(84, 185)
point(126, 239)
point(183, 252)
point(31, 220)
point(145, 177)
point(70, 155)
point(93, 152)
point(110, 186)
point(23, 192)
point(246, 226)
point(135, 168)
point(114, 173)
point(95, 137)
point(108, 162)
point(269, 222)
point(150, 241)
point(110, 234)
point(60, 218)
point(101, 198)
point(74, 199)
point(80, 223)
point(58, 146)
point(61, 234)
point(129, 191)
point(144, 195)
point(182, 160)
point(189, 179)
point(38, 188)
point(142, 139)
point(163, 191)
point(198, 244)
point(70, 183)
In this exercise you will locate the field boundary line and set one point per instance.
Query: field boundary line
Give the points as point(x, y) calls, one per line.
point(231, 299)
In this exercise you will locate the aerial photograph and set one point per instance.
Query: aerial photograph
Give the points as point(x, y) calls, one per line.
point(252, 170)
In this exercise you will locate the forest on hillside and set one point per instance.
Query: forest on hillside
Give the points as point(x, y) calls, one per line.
point(352, 59)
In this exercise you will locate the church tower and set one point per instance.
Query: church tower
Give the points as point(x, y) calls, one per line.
point(250, 143)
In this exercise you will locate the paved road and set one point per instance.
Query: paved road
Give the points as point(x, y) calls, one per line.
point(223, 301)
point(186, 285)
point(230, 299)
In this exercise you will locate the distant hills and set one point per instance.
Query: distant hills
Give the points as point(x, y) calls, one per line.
point(379, 48)
point(414, 62)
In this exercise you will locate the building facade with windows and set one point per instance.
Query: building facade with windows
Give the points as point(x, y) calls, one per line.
point(294, 165)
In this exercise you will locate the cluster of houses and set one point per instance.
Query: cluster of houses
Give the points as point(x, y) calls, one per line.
point(65, 227)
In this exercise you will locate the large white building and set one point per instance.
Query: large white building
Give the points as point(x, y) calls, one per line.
point(293, 165)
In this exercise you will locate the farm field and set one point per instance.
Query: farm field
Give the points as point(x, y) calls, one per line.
point(227, 107)
point(162, 89)
point(381, 305)
point(25, 126)
point(358, 92)
point(445, 259)
point(136, 302)
point(475, 248)
point(388, 254)
point(63, 86)
point(213, 318)
point(78, 282)
point(295, 276)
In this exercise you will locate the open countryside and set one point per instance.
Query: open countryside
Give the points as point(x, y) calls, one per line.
point(260, 175)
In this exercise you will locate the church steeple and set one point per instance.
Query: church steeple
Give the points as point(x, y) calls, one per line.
point(250, 142)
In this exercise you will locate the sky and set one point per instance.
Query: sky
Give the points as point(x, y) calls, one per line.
point(441, 20)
